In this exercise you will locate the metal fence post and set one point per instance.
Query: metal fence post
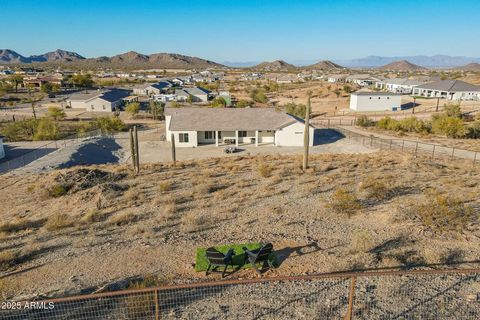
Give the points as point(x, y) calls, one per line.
point(475, 158)
point(156, 305)
point(416, 148)
point(351, 295)
point(433, 152)
point(453, 152)
point(403, 144)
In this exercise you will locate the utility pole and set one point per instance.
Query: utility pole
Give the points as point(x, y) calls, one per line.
point(438, 102)
point(174, 158)
point(132, 150)
point(137, 154)
point(306, 134)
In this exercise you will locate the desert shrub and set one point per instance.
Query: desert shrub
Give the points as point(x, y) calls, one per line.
point(193, 221)
point(453, 110)
point(452, 127)
point(91, 216)
point(19, 224)
point(56, 113)
point(243, 103)
point(386, 123)
point(110, 124)
point(123, 218)
point(58, 190)
point(413, 124)
point(345, 202)
point(440, 213)
point(264, 170)
point(258, 95)
point(473, 130)
point(377, 188)
point(20, 130)
point(297, 110)
point(46, 129)
point(218, 102)
point(7, 259)
point(165, 186)
point(132, 108)
point(364, 121)
point(58, 221)
point(361, 242)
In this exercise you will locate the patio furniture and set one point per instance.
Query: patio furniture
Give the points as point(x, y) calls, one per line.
point(217, 259)
point(259, 255)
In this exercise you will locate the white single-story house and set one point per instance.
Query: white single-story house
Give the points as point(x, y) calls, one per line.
point(197, 94)
point(448, 89)
point(375, 101)
point(149, 89)
point(2, 150)
point(399, 85)
point(363, 80)
point(192, 127)
point(99, 101)
point(334, 78)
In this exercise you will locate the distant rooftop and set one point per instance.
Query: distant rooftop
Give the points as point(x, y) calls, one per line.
point(450, 86)
point(373, 93)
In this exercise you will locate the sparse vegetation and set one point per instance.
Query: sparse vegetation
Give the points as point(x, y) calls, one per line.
point(345, 202)
point(58, 221)
point(364, 121)
point(264, 170)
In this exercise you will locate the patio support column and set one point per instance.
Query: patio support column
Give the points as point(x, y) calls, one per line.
point(256, 138)
point(216, 138)
point(236, 138)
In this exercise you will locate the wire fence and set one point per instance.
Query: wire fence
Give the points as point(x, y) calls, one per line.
point(434, 151)
point(38, 152)
point(420, 294)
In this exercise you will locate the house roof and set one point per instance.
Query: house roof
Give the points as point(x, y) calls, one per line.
point(114, 95)
point(161, 85)
point(368, 93)
point(196, 91)
point(227, 119)
point(450, 86)
point(82, 96)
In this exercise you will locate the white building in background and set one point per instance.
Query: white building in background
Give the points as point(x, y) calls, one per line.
point(375, 101)
point(448, 89)
point(2, 150)
point(192, 127)
point(99, 101)
point(363, 80)
point(335, 78)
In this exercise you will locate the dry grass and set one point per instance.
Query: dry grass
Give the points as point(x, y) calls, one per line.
point(193, 221)
point(7, 259)
point(345, 202)
point(58, 221)
point(123, 218)
point(377, 188)
point(264, 170)
point(19, 224)
point(165, 186)
point(361, 242)
point(93, 215)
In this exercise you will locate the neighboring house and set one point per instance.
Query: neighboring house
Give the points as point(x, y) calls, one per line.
point(181, 95)
point(99, 101)
point(39, 81)
point(363, 80)
point(287, 78)
point(6, 72)
point(375, 101)
point(399, 85)
point(165, 97)
point(335, 78)
point(448, 89)
point(198, 94)
point(2, 150)
point(192, 127)
point(150, 89)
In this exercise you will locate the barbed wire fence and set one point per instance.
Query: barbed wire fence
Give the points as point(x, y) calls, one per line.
point(417, 148)
point(418, 294)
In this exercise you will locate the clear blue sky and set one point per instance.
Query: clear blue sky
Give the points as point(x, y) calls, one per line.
point(243, 30)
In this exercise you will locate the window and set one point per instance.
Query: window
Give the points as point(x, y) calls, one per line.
point(209, 135)
point(91, 106)
point(103, 106)
point(183, 137)
point(242, 134)
point(219, 134)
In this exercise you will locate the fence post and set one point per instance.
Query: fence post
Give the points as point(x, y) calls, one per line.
point(156, 305)
point(416, 149)
point(351, 295)
point(403, 144)
point(328, 124)
point(475, 158)
point(391, 144)
point(433, 152)
point(371, 141)
point(453, 152)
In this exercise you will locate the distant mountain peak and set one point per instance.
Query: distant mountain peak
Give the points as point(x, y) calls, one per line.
point(276, 65)
point(402, 65)
point(324, 65)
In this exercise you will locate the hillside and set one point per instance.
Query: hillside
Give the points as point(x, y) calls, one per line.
point(402, 65)
point(324, 65)
point(475, 67)
point(426, 61)
point(10, 56)
point(277, 65)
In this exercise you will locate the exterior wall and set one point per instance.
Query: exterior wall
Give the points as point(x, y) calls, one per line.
point(292, 135)
point(465, 95)
point(168, 133)
point(192, 139)
point(266, 137)
point(375, 102)
point(200, 98)
point(100, 105)
point(2, 150)
point(77, 104)
point(140, 92)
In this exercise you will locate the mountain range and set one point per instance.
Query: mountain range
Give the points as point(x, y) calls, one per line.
point(134, 59)
point(436, 61)
point(130, 59)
